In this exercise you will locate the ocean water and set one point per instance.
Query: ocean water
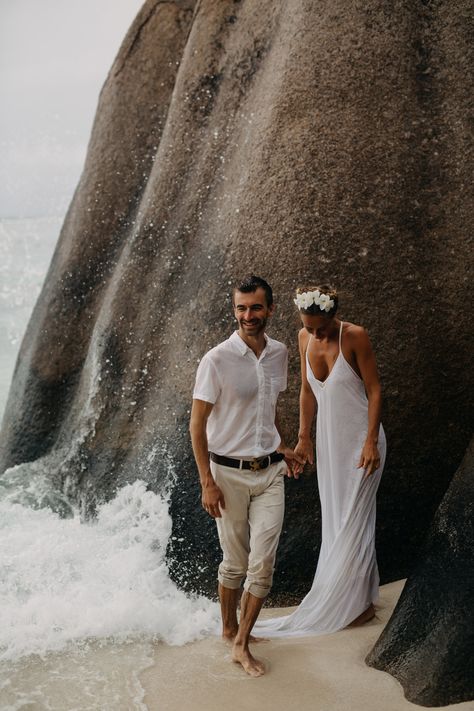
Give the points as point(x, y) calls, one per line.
point(26, 247)
point(82, 605)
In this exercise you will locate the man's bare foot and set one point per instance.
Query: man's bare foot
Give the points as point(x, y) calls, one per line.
point(365, 616)
point(241, 655)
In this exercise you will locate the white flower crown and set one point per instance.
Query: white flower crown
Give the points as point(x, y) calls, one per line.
point(308, 298)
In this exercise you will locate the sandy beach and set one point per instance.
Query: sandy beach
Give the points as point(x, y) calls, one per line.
point(324, 673)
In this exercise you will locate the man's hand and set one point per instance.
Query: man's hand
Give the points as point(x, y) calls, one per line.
point(294, 461)
point(369, 459)
point(212, 499)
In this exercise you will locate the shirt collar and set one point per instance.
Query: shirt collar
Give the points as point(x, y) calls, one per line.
point(243, 347)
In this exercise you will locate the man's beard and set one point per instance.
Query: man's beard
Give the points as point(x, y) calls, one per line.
point(259, 326)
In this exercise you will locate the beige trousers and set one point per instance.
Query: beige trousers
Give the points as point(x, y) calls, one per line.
point(250, 527)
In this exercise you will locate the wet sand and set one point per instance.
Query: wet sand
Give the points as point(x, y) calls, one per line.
point(324, 673)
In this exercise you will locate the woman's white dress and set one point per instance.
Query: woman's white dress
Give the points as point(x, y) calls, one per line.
point(347, 579)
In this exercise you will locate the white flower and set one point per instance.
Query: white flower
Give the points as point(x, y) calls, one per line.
point(300, 301)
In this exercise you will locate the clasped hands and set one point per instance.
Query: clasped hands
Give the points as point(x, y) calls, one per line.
point(294, 462)
point(297, 458)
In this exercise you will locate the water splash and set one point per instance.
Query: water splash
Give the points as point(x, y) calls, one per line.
point(63, 581)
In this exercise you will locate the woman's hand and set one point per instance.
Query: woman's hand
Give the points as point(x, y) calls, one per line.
point(305, 449)
point(369, 458)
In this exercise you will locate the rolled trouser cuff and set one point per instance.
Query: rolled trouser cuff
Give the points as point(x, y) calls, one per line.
point(260, 589)
point(228, 578)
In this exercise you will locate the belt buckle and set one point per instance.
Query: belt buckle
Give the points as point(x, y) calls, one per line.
point(257, 464)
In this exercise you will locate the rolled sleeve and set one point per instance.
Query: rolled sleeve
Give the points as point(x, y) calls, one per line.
point(207, 385)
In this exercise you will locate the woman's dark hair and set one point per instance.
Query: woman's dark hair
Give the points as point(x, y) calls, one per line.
point(314, 309)
point(251, 283)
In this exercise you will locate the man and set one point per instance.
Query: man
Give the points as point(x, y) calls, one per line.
point(242, 460)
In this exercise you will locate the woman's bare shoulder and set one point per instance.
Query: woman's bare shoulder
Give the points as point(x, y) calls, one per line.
point(354, 329)
point(303, 337)
point(357, 335)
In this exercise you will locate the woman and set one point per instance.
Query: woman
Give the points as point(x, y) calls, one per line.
point(339, 376)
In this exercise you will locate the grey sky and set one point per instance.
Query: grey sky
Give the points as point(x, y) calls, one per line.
point(54, 57)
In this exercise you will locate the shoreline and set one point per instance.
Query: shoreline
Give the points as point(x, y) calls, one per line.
point(318, 673)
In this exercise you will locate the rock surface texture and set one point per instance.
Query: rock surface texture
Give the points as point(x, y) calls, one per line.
point(428, 644)
point(298, 140)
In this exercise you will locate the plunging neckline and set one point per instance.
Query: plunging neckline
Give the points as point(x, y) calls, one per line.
point(323, 382)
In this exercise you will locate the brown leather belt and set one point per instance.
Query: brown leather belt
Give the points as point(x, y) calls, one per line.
point(255, 464)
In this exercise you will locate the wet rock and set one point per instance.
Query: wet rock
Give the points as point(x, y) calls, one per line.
point(428, 644)
point(298, 140)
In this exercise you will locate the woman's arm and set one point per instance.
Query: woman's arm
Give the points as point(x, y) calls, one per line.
point(365, 359)
point(305, 447)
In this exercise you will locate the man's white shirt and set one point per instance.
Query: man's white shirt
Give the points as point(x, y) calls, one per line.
point(244, 390)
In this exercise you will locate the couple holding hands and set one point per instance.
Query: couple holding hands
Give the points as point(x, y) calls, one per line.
point(242, 461)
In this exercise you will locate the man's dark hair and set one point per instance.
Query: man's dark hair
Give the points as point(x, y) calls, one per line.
point(251, 283)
